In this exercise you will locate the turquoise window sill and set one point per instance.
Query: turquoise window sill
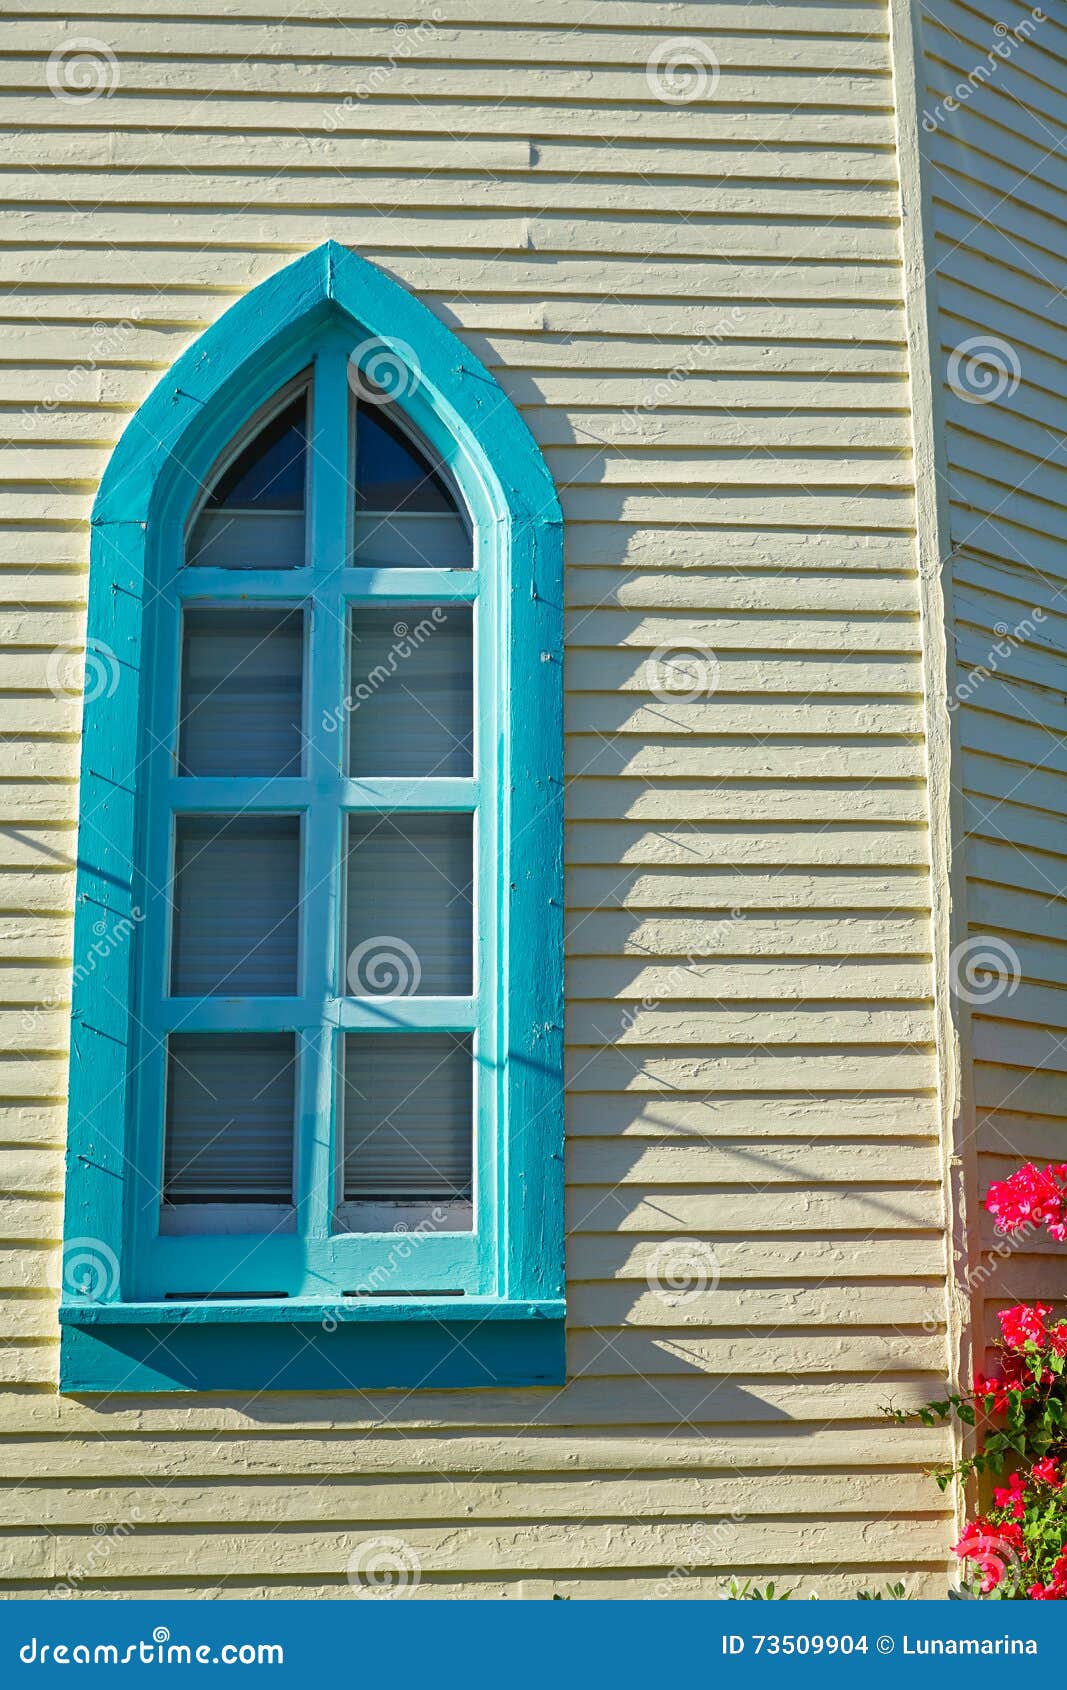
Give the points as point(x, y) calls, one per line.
point(447, 1343)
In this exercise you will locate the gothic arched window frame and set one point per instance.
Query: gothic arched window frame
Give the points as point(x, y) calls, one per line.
point(481, 1309)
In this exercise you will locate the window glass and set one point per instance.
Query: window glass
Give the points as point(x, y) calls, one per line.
point(229, 1132)
point(270, 473)
point(255, 888)
point(406, 515)
point(253, 517)
point(411, 685)
point(236, 925)
point(391, 473)
point(242, 691)
point(408, 1108)
point(410, 913)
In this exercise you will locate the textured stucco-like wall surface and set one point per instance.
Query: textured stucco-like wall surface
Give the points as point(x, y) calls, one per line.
point(697, 305)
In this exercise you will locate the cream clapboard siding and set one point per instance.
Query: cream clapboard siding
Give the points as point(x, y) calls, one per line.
point(998, 185)
point(698, 308)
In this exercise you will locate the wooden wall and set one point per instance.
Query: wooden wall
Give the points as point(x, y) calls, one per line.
point(995, 120)
point(697, 306)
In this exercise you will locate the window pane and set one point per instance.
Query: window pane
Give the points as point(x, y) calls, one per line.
point(407, 516)
point(392, 474)
point(411, 540)
point(411, 688)
point(254, 516)
point(408, 1116)
point(248, 540)
point(269, 473)
point(236, 906)
point(242, 692)
point(410, 910)
point(229, 1132)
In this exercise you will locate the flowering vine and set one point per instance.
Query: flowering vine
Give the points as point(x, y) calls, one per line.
point(1017, 1549)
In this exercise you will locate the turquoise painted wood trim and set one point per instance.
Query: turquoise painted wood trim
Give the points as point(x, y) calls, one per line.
point(322, 1267)
point(308, 1311)
point(387, 1353)
point(266, 1015)
point(456, 403)
point(318, 307)
point(292, 793)
point(325, 671)
point(400, 586)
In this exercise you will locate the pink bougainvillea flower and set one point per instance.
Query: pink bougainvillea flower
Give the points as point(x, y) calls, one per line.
point(1022, 1324)
point(1046, 1472)
point(995, 1386)
point(978, 1527)
point(1056, 1589)
point(1012, 1496)
point(1057, 1338)
point(1012, 1535)
point(991, 1549)
point(1031, 1196)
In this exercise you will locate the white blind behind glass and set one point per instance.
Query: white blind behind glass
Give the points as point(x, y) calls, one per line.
point(236, 921)
point(229, 1131)
point(410, 905)
point(411, 684)
point(242, 686)
point(408, 1116)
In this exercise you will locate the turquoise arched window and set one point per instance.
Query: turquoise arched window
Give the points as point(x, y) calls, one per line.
point(316, 1092)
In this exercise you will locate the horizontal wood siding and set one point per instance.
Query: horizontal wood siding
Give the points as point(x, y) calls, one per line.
point(999, 190)
point(698, 308)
